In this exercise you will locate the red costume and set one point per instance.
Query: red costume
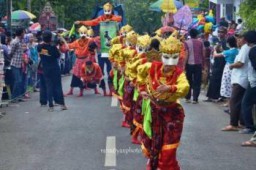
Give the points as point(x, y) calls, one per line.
point(102, 18)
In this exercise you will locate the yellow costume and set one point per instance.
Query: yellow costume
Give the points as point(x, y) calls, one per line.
point(165, 84)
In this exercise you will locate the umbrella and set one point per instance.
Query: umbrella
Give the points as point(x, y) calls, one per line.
point(35, 27)
point(156, 6)
point(21, 14)
point(183, 18)
point(168, 6)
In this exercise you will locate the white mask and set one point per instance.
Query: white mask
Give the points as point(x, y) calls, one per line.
point(107, 12)
point(127, 44)
point(170, 59)
point(140, 49)
point(83, 35)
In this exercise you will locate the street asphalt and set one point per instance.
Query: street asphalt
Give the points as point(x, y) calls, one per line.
point(31, 138)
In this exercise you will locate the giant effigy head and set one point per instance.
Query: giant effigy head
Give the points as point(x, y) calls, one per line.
point(143, 43)
point(170, 49)
point(108, 7)
point(82, 31)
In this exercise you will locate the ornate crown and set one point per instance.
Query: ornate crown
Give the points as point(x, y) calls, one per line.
point(108, 6)
point(144, 41)
point(90, 32)
point(127, 28)
point(132, 38)
point(82, 29)
point(172, 45)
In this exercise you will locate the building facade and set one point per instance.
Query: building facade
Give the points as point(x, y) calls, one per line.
point(226, 8)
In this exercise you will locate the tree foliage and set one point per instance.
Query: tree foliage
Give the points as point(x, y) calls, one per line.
point(248, 13)
point(137, 12)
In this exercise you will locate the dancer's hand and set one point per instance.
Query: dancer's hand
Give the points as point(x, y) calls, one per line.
point(144, 95)
point(77, 23)
point(163, 88)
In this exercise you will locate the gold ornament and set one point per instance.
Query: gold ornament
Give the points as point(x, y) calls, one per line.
point(171, 45)
point(144, 41)
point(131, 38)
point(83, 30)
point(108, 7)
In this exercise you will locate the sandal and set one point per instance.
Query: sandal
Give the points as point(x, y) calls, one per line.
point(248, 144)
point(230, 128)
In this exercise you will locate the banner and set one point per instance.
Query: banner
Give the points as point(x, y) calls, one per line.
point(108, 30)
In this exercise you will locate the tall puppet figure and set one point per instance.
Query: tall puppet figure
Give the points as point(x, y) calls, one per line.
point(83, 54)
point(163, 120)
point(108, 16)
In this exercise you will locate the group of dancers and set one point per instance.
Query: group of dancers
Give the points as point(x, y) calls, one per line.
point(148, 81)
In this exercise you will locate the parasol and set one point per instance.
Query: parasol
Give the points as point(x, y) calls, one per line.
point(156, 6)
point(35, 27)
point(183, 18)
point(168, 6)
point(21, 14)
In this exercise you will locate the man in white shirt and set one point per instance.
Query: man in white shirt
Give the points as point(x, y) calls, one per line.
point(249, 98)
point(239, 81)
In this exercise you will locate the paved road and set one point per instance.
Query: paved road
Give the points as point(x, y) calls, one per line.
point(33, 139)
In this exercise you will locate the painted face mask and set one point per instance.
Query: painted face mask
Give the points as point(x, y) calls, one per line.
point(83, 35)
point(107, 9)
point(107, 12)
point(170, 59)
point(140, 49)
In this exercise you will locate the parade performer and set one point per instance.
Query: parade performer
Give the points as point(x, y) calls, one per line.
point(91, 76)
point(164, 116)
point(127, 54)
point(82, 52)
point(143, 43)
point(122, 34)
point(108, 16)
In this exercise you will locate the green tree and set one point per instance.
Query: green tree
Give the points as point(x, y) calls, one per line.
point(140, 17)
point(248, 13)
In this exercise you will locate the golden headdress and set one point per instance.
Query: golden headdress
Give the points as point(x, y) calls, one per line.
point(108, 6)
point(90, 32)
point(144, 41)
point(131, 38)
point(82, 29)
point(172, 45)
point(127, 28)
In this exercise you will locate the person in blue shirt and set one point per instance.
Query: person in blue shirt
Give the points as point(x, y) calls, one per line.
point(229, 56)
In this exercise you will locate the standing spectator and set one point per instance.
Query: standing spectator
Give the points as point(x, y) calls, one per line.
point(239, 27)
point(213, 93)
point(239, 81)
point(207, 62)
point(25, 63)
point(249, 98)
point(49, 55)
point(16, 64)
point(251, 142)
point(194, 65)
point(229, 55)
point(223, 23)
point(33, 56)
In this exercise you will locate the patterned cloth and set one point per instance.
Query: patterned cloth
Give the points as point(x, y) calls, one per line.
point(78, 65)
point(226, 87)
point(16, 53)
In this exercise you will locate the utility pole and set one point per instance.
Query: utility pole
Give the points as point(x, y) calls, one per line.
point(29, 5)
point(9, 14)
